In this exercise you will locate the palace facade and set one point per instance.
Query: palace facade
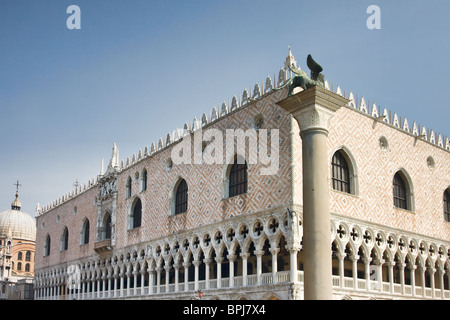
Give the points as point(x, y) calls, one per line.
point(152, 227)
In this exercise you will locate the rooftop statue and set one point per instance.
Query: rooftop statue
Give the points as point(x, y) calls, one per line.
point(301, 79)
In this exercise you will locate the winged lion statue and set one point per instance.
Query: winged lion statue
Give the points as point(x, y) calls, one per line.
point(301, 79)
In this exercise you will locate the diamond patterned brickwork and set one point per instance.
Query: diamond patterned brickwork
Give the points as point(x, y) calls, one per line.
point(376, 168)
point(205, 183)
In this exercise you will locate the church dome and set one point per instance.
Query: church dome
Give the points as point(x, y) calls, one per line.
point(17, 224)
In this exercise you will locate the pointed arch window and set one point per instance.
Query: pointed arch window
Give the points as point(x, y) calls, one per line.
point(181, 197)
point(106, 227)
point(144, 180)
point(447, 205)
point(136, 214)
point(128, 188)
point(85, 232)
point(47, 246)
point(399, 192)
point(403, 191)
point(238, 178)
point(340, 173)
point(65, 239)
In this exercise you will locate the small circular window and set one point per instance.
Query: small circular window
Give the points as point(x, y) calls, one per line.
point(384, 145)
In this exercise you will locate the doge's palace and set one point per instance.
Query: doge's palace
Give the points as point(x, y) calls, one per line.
point(285, 192)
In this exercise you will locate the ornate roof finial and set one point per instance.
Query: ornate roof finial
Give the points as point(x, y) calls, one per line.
point(114, 162)
point(16, 205)
point(17, 184)
point(290, 60)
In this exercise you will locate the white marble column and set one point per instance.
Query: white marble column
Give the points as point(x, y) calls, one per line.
point(259, 254)
point(244, 257)
point(341, 256)
point(186, 275)
point(274, 253)
point(207, 263)
point(313, 108)
point(219, 271)
point(176, 266)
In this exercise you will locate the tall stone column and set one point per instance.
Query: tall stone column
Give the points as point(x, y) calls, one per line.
point(313, 108)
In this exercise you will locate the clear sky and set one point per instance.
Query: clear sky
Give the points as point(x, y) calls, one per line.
point(137, 70)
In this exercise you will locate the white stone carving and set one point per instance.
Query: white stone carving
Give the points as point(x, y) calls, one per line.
point(440, 144)
point(432, 138)
point(107, 188)
point(204, 120)
point(386, 115)
point(363, 106)
point(405, 125)
point(268, 86)
point(214, 114)
point(234, 104)
point(395, 122)
point(223, 110)
point(281, 77)
point(245, 97)
point(256, 92)
point(424, 133)
point(152, 148)
point(351, 102)
point(374, 111)
point(415, 130)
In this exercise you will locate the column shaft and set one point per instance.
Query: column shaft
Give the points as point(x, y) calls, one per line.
point(316, 216)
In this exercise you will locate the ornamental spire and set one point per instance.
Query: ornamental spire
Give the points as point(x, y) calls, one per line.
point(290, 60)
point(114, 162)
point(16, 205)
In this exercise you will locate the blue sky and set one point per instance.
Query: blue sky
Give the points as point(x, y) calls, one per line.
point(137, 70)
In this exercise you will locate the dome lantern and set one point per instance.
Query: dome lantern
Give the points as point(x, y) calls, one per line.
point(17, 224)
point(16, 205)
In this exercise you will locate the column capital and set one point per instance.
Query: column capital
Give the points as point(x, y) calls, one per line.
point(341, 255)
point(379, 262)
point(366, 260)
point(245, 255)
point(274, 251)
point(313, 108)
point(259, 253)
point(196, 263)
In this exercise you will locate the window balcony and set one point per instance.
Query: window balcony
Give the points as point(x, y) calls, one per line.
point(103, 246)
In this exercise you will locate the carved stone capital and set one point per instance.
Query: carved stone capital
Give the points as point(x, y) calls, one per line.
point(313, 108)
